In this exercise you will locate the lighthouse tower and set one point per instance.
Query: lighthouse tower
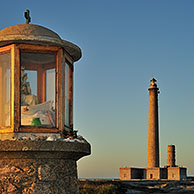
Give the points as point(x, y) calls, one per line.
point(153, 129)
point(153, 170)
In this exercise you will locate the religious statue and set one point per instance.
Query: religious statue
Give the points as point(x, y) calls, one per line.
point(27, 98)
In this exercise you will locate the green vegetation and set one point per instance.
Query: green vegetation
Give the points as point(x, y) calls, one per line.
point(88, 187)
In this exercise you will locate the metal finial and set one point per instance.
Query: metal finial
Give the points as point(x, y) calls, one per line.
point(27, 16)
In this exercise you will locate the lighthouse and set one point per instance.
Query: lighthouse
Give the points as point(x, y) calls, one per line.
point(153, 127)
point(153, 170)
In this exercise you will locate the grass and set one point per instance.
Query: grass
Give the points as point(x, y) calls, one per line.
point(98, 187)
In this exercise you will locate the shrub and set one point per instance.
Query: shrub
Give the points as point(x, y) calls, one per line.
point(92, 188)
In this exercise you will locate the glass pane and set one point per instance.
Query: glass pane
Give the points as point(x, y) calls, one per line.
point(50, 85)
point(38, 89)
point(32, 79)
point(67, 94)
point(5, 64)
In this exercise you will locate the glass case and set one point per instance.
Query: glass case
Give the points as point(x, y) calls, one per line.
point(38, 77)
point(36, 89)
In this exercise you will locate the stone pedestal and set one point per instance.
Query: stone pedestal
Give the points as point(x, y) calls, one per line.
point(38, 167)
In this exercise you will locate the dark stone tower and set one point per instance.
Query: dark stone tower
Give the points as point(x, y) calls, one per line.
point(171, 156)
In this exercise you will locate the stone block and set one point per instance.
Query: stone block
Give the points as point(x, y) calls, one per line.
point(45, 167)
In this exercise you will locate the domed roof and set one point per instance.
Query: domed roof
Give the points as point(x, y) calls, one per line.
point(36, 34)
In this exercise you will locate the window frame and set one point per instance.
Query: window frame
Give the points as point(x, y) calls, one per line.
point(62, 57)
point(69, 61)
point(9, 49)
point(39, 49)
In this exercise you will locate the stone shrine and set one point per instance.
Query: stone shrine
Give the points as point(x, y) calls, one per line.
point(38, 144)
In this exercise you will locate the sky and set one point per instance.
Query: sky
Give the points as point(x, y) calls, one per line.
point(124, 43)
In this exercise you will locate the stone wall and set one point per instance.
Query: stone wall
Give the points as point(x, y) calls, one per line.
point(163, 173)
point(38, 176)
point(137, 173)
point(132, 173)
point(183, 173)
point(38, 167)
point(153, 173)
point(177, 173)
point(125, 174)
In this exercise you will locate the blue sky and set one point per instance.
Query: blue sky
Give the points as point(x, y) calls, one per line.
point(124, 44)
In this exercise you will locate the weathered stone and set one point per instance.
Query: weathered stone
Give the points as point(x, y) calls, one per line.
point(46, 173)
point(11, 188)
point(38, 170)
point(43, 189)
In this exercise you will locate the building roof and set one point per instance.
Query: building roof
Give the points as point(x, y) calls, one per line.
point(36, 34)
